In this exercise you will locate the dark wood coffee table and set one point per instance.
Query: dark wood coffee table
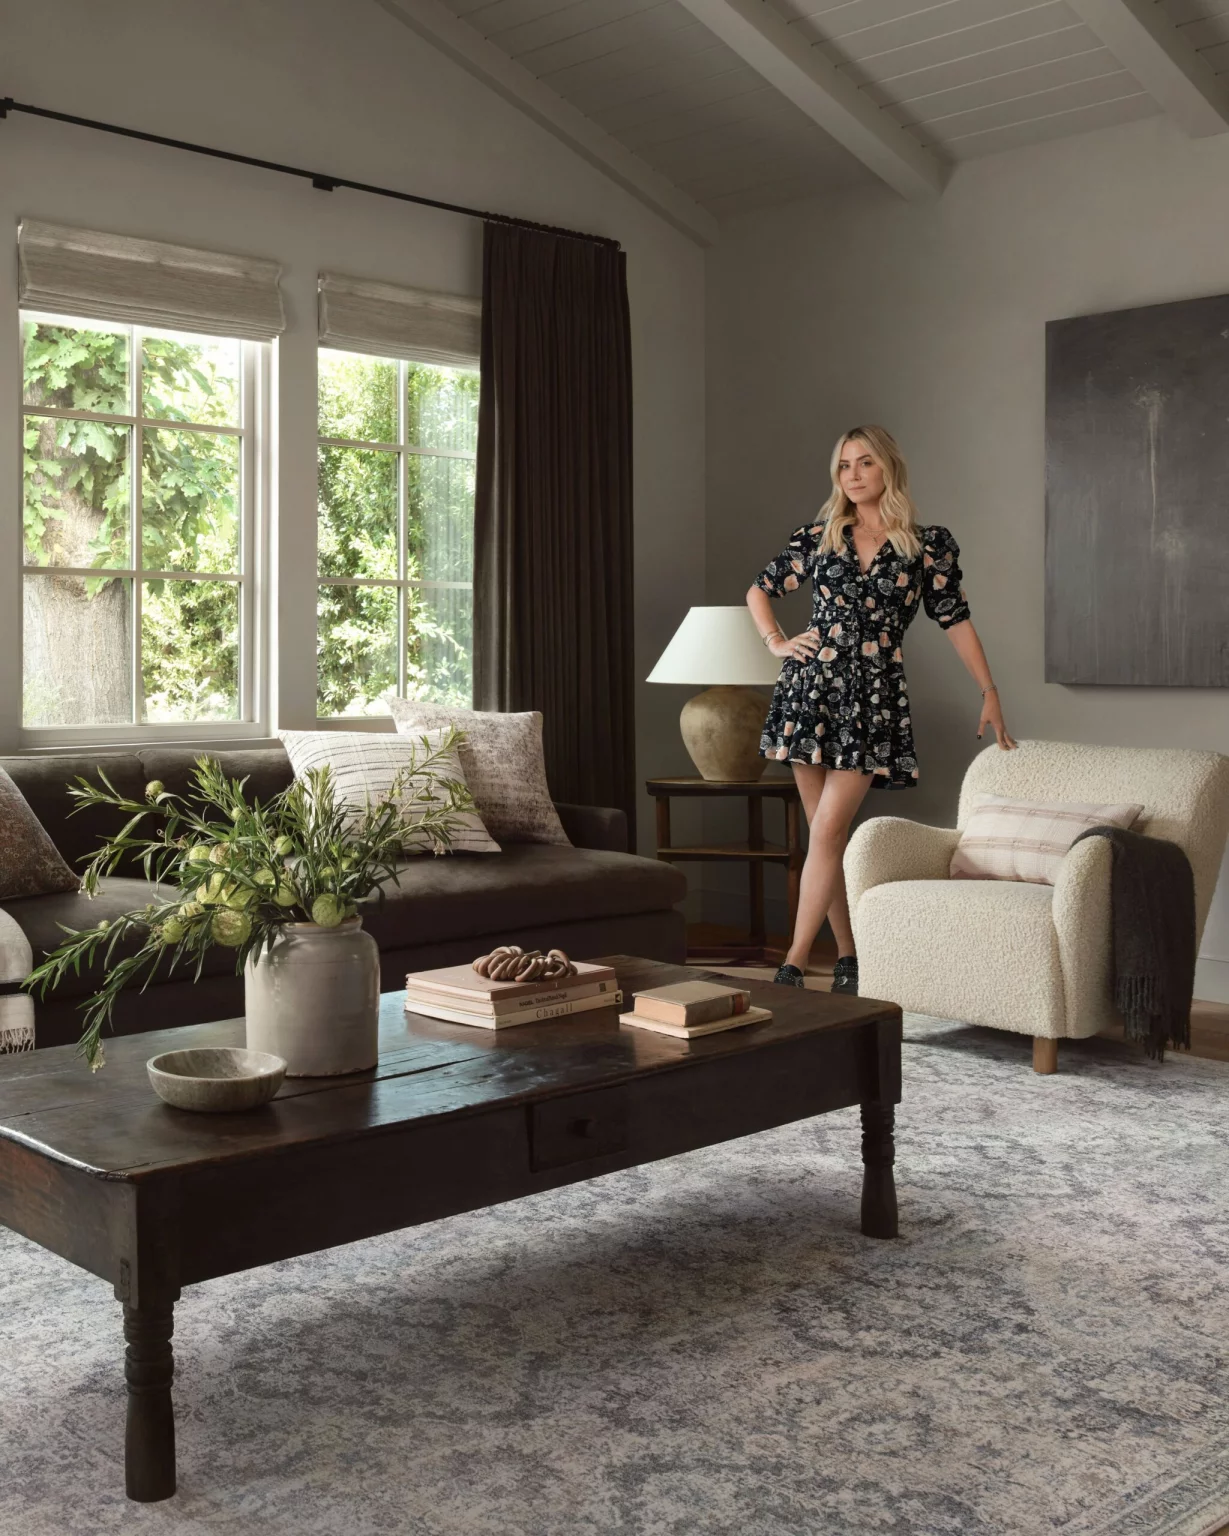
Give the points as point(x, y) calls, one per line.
point(151, 1199)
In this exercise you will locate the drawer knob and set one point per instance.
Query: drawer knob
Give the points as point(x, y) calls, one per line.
point(586, 1127)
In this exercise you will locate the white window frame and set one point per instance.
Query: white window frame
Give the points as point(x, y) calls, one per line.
point(401, 581)
point(253, 432)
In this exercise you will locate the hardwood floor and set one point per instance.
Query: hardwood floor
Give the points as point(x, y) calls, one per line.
point(1209, 1021)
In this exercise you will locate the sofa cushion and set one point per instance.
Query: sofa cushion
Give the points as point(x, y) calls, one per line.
point(266, 769)
point(527, 885)
point(30, 863)
point(44, 782)
point(366, 765)
point(40, 918)
point(504, 766)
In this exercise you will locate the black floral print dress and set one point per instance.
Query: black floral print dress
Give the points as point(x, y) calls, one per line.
point(848, 707)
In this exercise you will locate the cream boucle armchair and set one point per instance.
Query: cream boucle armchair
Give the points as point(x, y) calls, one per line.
point(1034, 959)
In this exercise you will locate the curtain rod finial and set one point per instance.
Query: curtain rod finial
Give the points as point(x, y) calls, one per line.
point(6, 105)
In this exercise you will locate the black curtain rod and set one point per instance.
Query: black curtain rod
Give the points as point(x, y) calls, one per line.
point(318, 179)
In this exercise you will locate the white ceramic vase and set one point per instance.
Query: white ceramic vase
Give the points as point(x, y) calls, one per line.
point(313, 998)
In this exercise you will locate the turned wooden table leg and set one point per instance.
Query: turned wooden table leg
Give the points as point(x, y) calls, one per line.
point(149, 1444)
point(878, 1184)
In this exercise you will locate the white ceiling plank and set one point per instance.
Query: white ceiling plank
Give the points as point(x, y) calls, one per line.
point(1182, 11)
point(502, 14)
point(1068, 42)
point(1017, 84)
point(656, 26)
point(1207, 32)
point(1218, 59)
point(630, 60)
point(432, 20)
point(785, 59)
point(1039, 105)
point(1061, 125)
point(1142, 37)
point(571, 21)
point(1038, 21)
point(952, 19)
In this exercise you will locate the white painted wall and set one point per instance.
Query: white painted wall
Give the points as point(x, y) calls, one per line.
point(336, 85)
point(930, 319)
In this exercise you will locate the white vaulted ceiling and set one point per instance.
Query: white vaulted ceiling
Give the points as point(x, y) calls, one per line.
point(711, 107)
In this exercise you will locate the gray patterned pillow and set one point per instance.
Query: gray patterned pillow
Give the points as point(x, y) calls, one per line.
point(30, 863)
point(364, 766)
point(504, 768)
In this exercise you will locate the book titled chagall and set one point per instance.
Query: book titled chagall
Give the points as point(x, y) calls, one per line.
point(458, 994)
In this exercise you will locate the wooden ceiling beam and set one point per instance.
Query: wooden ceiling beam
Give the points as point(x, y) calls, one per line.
point(787, 60)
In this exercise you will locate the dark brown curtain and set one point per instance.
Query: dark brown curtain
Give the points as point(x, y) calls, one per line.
point(553, 550)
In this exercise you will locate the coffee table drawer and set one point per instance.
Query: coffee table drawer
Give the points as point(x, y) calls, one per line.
point(582, 1126)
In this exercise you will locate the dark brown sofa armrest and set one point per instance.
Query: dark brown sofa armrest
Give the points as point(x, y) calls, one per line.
point(594, 826)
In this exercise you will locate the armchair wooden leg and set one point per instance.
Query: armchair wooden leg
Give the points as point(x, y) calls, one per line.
point(1045, 1054)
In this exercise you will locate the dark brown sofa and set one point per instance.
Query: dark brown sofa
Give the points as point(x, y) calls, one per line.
point(590, 899)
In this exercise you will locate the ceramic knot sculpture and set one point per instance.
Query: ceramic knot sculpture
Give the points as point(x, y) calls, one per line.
point(512, 963)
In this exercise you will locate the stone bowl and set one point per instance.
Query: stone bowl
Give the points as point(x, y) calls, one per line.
point(216, 1079)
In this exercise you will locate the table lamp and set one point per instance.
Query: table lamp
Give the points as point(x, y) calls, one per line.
point(721, 727)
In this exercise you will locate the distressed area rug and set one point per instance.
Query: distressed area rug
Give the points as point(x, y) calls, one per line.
point(708, 1344)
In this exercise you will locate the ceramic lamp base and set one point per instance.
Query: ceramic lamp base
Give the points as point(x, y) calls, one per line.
point(721, 730)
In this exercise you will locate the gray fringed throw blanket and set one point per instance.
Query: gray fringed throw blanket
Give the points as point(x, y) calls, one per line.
point(1152, 895)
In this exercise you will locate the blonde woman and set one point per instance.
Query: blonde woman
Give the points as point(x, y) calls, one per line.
point(840, 712)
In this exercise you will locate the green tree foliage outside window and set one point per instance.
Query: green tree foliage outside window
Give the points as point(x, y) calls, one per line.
point(396, 532)
point(79, 517)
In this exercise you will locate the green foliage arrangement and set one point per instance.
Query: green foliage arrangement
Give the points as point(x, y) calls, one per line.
point(236, 872)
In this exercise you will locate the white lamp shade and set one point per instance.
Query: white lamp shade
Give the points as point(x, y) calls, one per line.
point(714, 646)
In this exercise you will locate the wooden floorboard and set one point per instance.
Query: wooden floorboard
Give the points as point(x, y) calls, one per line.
point(1209, 1021)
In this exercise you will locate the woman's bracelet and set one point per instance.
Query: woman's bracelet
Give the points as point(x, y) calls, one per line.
point(773, 634)
point(991, 689)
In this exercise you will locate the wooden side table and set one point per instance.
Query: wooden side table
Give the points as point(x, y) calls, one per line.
point(755, 852)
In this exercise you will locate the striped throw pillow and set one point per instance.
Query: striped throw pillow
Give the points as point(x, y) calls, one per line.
point(1007, 839)
point(365, 764)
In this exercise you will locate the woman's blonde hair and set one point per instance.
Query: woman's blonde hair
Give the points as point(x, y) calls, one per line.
point(900, 516)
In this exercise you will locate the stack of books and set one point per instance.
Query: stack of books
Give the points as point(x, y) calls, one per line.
point(691, 1008)
point(458, 994)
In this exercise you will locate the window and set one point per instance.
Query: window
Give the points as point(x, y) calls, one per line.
point(139, 529)
point(396, 532)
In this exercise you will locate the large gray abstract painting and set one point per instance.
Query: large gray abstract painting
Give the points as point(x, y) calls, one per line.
point(1137, 496)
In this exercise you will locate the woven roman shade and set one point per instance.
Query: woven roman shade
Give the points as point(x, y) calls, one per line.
point(145, 282)
point(390, 321)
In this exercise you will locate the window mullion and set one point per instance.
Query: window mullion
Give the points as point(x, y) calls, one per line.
point(246, 554)
point(403, 617)
point(136, 523)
